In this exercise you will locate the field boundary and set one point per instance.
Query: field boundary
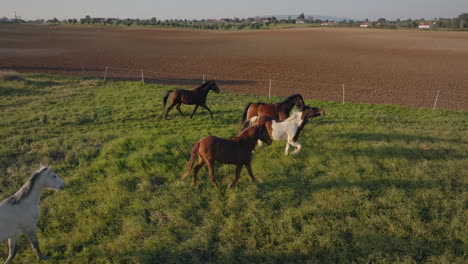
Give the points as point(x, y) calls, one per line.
point(339, 92)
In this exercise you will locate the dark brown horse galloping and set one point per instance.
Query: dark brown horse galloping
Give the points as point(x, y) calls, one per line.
point(195, 97)
point(236, 151)
point(278, 111)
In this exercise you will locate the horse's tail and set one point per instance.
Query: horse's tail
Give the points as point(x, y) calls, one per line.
point(244, 114)
point(193, 157)
point(165, 98)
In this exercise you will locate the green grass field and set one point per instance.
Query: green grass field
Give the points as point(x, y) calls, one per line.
point(372, 184)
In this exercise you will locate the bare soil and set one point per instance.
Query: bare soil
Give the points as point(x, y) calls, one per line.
point(401, 67)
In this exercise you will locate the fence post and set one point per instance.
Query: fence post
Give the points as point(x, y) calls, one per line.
point(269, 91)
point(203, 78)
point(435, 103)
point(343, 93)
point(82, 69)
point(142, 77)
point(105, 73)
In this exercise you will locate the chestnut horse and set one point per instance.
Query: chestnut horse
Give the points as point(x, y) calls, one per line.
point(279, 111)
point(237, 151)
point(195, 97)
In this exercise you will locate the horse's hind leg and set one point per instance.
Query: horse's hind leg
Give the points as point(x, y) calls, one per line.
point(196, 170)
point(238, 171)
point(180, 111)
point(211, 172)
point(169, 109)
point(35, 244)
point(194, 110)
point(12, 249)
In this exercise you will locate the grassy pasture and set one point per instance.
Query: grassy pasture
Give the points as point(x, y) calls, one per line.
point(372, 184)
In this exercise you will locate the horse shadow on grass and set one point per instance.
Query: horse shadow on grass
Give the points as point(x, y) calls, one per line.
point(397, 137)
point(346, 248)
point(9, 91)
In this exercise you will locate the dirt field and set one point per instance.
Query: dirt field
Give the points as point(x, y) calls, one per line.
point(376, 66)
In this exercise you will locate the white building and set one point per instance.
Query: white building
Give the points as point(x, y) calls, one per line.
point(426, 25)
point(366, 25)
point(328, 24)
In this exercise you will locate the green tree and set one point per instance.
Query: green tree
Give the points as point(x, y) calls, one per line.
point(455, 23)
point(301, 16)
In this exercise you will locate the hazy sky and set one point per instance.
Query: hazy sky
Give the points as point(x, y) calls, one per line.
point(194, 9)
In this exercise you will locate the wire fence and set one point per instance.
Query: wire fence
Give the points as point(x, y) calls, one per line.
point(331, 91)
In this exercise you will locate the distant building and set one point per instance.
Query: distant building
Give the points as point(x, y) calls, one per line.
point(37, 21)
point(426, 25)
point(266, 20)
point(300, 21)
point(328, 24)
point(366, 25)
point(4, 20)
point(225, 20)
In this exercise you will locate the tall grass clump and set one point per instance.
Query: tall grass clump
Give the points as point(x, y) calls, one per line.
point(372, 183)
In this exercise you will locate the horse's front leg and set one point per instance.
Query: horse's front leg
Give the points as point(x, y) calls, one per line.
point(167, 111)
point(259, 143)
point(286, 150)
point(238, 171)
point(35, 244)
point(297, 145)
point(194, 110)
point(249, 170)
point(180, 111)
point(12, 249)
point(206, 107)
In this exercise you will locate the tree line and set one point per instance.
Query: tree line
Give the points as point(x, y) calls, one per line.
point(459, 22)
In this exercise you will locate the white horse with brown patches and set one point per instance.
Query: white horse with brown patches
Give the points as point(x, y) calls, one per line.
point(289, 129)
point(19, 213)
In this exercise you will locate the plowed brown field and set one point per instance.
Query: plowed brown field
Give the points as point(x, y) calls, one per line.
point(376, 66)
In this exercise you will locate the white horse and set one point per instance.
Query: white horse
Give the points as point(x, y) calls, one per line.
point(19, 213)
point(289, 129)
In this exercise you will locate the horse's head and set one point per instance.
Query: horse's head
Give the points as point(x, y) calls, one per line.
point(51, 180)
point(212, 86)
point(310, 112)
point(263, 134)
point(297, 100)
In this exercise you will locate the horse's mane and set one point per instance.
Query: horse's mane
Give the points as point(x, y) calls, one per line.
point(245, 131)
point(204, 85)
point(293, 96)
point(26, 189)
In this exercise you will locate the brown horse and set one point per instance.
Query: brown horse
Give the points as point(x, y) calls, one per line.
point(279, 111)
point(237, 151)
point(195, 97)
